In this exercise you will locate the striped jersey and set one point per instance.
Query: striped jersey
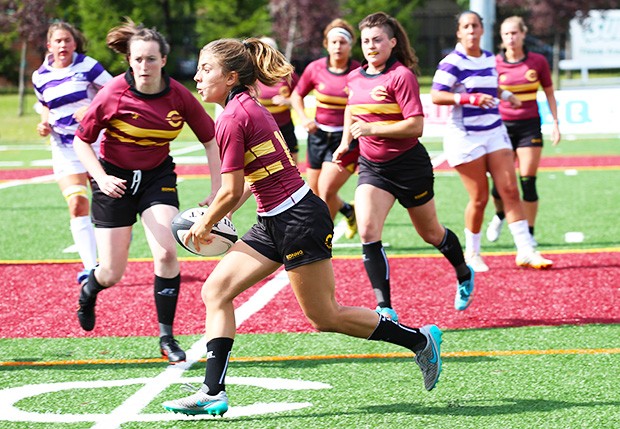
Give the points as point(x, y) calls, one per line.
point(523, 78)
point(330, 90)
point(250, 140)
point(384, 98)
point(139, 127)
point(460, 73)
point(65, 90)
point(281, 113)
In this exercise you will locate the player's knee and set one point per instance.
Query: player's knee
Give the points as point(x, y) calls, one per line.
point(528, 186)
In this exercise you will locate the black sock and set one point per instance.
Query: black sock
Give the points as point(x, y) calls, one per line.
point(92, 287)
point(398, 334)
point(166, 293)
point(450, 247)
point(218, 354)
point(501, 215)
point(346, 209)
point(378, 270)
point(531, 230)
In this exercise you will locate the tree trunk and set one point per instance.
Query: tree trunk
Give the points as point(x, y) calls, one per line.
point(22, 73)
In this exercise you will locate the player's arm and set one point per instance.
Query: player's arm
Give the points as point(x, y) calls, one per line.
point(407, 128)
point(447, 98)
point(43, 127)
point(214, 162)
point(297, 102)
point(346, 137)
point(225, 200)
point(112, 186)
point(553, 108)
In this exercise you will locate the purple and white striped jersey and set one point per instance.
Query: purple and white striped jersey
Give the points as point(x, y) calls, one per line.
point(459, 73)
point(64, 90)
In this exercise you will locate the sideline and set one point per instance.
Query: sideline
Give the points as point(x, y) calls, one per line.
point(262, 359)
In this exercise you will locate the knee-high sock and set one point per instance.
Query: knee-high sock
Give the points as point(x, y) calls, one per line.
point(450, 247)
point(83, 234)
point(398, 334)
point(218, 355)
point(166, 297)
point(378, 270)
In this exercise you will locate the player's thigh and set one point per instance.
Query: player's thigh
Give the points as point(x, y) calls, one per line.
point(332, 178)
point(529, 160)
point(501, 168)
point(157, 221)
point(113, 251)
point(372, 206)
point(241, 268)
point(314, 285)
point(474, 177)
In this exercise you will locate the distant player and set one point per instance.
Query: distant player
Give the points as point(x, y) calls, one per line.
point(65, 84)
point(523, 73)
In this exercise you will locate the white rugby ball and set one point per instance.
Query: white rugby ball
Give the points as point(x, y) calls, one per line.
point(224, 233)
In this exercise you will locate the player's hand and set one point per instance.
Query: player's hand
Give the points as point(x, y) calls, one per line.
point(207, 201)
point(199, 233)
point(310, 126)
point(359, 128)
point(80, 113)
point(515, 103)
point(44, 129)
point(341, 150)
point(112, 186)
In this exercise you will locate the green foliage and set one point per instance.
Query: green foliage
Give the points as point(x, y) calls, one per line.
point(236, 19)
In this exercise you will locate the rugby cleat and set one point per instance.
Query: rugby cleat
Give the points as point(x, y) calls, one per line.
point(199, 403)
point(476, 263)
point(351, 224)
point(533, 259)
point(495, 228)
point(388, 313)
point(464, 292)
point(86, 309)
point(429, 359)
point(82, 276)
point(170, 348)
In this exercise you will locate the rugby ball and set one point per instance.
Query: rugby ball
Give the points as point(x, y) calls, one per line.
point(224, 232)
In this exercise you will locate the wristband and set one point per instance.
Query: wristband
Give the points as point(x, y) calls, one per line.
point(473, 99)
point(506, 95)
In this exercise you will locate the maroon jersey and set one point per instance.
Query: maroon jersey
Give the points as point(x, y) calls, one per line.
point(523, 79)
point(250, 140)
point(387, 97)
point(139, 127)
point(330, 90)
point(282, 114)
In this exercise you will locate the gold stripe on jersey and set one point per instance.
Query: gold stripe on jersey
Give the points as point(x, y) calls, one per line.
point(363, 109)
point(141, 142)
point(266, 171)
point(331, 101)
point(526, 97)
point(276, 109)
point(259, 150)
point(144, 132)
point(525, 87)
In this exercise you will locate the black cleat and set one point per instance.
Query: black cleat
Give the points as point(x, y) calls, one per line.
point(86, 310)
point(170, 348)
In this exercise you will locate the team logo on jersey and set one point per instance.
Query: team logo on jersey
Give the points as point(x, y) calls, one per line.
point(378, 93)
point(174, 119)
point(285, 91)
point(135, 116)
point(531, 75)
point(328, 241)
point(502, 78)
point(80, 77)
point(321, 86)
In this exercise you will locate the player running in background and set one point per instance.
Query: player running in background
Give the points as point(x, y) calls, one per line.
point(293, 228)
point(476, 140)
point(522, 73)
point(327, 77)
point(142, 110)
point(277, 100)
point(385, 113)
point(65, 84)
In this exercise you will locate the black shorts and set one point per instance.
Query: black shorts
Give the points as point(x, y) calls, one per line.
point(298, 236)
point(288, 132)
point(525, 133)
point(409, 177)
point(145, 188)
point(323, 144)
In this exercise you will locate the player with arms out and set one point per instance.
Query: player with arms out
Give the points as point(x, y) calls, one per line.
point(142, 111)
point(65, 84)
point(385, 113)
point(293, 228)
point(523, 72)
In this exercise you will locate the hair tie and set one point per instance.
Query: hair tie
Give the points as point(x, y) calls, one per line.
point(339, 31)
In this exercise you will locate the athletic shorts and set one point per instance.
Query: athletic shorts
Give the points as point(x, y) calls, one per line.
point(323, 144)
point(145, 188)
point(461, 147)
point(288, 132)
point(65, 161)
point(525, 133)
point(298, 236)
point(409, 177)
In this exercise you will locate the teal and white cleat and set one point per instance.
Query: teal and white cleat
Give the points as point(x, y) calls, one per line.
point(429, 359)
point(388, 313)
point(464, 292)
point(199, 403)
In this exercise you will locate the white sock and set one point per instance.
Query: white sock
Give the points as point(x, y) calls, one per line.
point(521, 235)
point(84, 237)
point(472, 243)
